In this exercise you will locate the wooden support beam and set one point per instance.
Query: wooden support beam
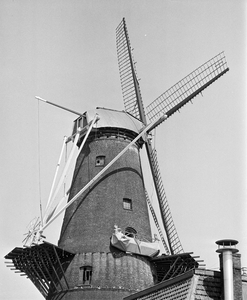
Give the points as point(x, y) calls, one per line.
point(61, 267)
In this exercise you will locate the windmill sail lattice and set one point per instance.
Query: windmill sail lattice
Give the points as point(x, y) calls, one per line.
point(187, 88)
point(157, 223)
point(134, 105)
point(129, 82)
point(172, 236)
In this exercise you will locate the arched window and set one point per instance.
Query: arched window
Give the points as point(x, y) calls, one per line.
point(130, 231)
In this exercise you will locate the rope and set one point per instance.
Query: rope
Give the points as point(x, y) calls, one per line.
point(40, 203)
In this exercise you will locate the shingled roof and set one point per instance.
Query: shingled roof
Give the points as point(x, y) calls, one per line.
point(193, 285)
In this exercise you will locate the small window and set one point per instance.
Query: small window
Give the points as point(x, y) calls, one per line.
point(79, 122)
point(127, 204)
point(100, 161)
point(131, 232)
point(85, 275)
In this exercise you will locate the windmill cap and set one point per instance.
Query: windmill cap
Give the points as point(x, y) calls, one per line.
point(115, 119)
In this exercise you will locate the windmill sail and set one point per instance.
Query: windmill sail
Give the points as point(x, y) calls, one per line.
point(129, 82)
point(187, 88)
point(171, 232)
point(157, 224)
point(134, 105)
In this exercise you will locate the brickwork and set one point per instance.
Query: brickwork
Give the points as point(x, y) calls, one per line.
point(90, 294)
point(237, 278)
point(89, 223)
point(176, 288)
point(196, 284)
point(118, 272)
point(208, 285)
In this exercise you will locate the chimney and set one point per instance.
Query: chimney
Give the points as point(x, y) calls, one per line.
point(230, 266)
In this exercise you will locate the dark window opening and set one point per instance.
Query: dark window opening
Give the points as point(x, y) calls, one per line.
point(79, 122)
point(127, 204)
point(100, 161)
point(85, 275)
point(131, 232)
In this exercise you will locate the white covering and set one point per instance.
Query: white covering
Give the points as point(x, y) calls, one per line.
point(133, 245)
point(114, 118)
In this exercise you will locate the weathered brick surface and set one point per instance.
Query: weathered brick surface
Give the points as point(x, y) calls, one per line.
point(115, 274)
point(91, 294)
point(89, 223)
point(237, 278)
point(90, 220)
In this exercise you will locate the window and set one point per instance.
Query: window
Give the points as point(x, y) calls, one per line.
point(127, 204)
point(79, 122)
point(100, 161)
point(131, 232)
point(85, 275)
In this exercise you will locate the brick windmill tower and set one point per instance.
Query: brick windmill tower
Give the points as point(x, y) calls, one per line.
point(106, 249)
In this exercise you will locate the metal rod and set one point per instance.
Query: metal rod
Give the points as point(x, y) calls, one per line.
point(59, 106)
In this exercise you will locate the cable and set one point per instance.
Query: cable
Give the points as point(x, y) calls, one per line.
point(40, 203)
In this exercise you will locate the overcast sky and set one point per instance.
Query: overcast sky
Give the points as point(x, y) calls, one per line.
point(65, 52)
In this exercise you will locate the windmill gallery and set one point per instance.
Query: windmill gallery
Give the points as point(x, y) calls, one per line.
point(106, 249)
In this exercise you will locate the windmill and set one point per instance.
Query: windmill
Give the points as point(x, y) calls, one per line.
point(107, 197)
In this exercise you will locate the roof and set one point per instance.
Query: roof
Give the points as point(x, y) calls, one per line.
point(207, 285)
point(193, 285)
point(108, 121)
point(114, 118)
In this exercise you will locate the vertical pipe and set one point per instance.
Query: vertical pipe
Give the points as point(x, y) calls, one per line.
point(228, 274)
point(227, 247)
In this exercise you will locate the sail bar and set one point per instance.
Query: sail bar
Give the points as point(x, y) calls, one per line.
point(157, 224)
point(95, 119)
point(189, 87)
point(56, 172)
point(166, 216)
point(129, 82)
point(59, 106)
point(142, 133)
point(47, 211)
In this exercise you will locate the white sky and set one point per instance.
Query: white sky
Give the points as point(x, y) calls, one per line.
point(65, 52)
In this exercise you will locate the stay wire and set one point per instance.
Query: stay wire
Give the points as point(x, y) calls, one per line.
point(39, 169)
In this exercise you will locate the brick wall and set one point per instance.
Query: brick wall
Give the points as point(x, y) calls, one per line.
point(89, 222)
point(114, 276)
point(237, 278)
